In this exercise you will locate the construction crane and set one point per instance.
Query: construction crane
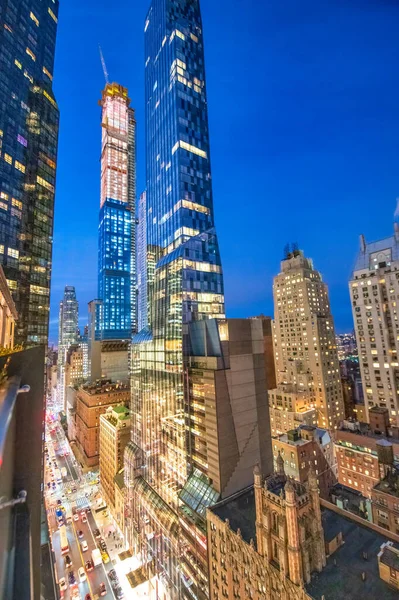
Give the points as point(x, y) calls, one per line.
point(104, 66)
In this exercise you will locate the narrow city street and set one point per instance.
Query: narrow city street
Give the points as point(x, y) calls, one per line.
point(74, 494)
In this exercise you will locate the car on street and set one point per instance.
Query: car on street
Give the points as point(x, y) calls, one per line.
point(119, 593)
point(105, 557)
point(102, 589)
point(68, 561)
point(76, 517)
point(59, 502)
point(82, 575)
point(71, 578)
point(63, 584)
point(97, 534)
point(84, 545)
point(80, 533)
point(75, 595)
point(102, 545)
point(112, 575)
point(89, 566)
point(87, 597)
point(83, 517)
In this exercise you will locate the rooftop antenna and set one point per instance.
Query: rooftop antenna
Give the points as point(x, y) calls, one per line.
point(104, 66)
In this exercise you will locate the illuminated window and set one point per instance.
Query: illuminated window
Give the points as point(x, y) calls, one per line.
point(7, 27)
point(26, 74)
point(4, 196)
point(16, 203)
point(194, 38)
point(12, 284)
point(34, 19)
point(1, 249)
point(193, 149)
point(52, 15)
point(45, 183)
point(16, 62)
point(19, 166)
point(8, 159)
point(180, 35)
point(49, 75)
point(3, 206)
point(37, 289)
point(13, 252)
point(30, 53)
point(49, 98)
point(22, 140)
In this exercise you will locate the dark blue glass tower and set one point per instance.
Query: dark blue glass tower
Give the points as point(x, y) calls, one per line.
point(116, 250)
point(28, 155)
point(185, 286)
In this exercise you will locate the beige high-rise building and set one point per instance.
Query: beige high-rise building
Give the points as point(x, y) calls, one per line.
point(307, 368)
point(114, 435)
point(374, 290)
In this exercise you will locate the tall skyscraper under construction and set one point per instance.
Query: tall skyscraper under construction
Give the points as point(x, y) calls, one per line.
point(116, 249)
point(28, 154)
point(186, 286)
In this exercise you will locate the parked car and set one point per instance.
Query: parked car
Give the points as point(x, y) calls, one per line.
point(97, 534)
point(83, 517)
point(80, 533)
point(63, 584)
point(82, 574)
point(71, 578)
point(112, 575)
point(84, 546)
point(119, 593)
point(68, 561)
point(102, 590)
point(76, 517)
point(105, 557)
point(89, 566)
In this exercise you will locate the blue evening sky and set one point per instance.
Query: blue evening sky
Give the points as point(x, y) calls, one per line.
point(303, 107)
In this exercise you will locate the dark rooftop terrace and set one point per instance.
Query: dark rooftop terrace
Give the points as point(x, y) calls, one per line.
point(240, 511)
point(344, 579)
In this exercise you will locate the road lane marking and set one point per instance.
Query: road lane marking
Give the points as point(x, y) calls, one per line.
point(106, 574)
point(81, 556)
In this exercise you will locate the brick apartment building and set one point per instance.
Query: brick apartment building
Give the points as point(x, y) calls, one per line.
point(92, 401)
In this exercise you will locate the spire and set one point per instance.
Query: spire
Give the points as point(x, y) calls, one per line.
point(280, 464)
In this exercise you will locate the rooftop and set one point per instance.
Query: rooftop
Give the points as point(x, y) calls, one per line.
point(104, 386)
point(389, 485)
point(342, 576)
point(241, 513)
point(390, 557)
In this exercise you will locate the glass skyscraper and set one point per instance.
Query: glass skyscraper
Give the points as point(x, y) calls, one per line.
point(117, 251)
point(67, 335)
point(28, 154)
point(186, 286)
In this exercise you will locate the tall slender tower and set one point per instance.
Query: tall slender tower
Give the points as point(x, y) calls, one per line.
point(67, 335)
point(374, 290)
point(306, 358)
point(187, 286)
point(28, 155)
point(142, 267)
point(117, 240)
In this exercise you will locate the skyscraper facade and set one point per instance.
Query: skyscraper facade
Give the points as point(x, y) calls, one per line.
point(67, 335)
point(117, 240)
point(374, 290)
point(28, 155)
point(187, 286)
point(306, 358)
point(142, 277)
